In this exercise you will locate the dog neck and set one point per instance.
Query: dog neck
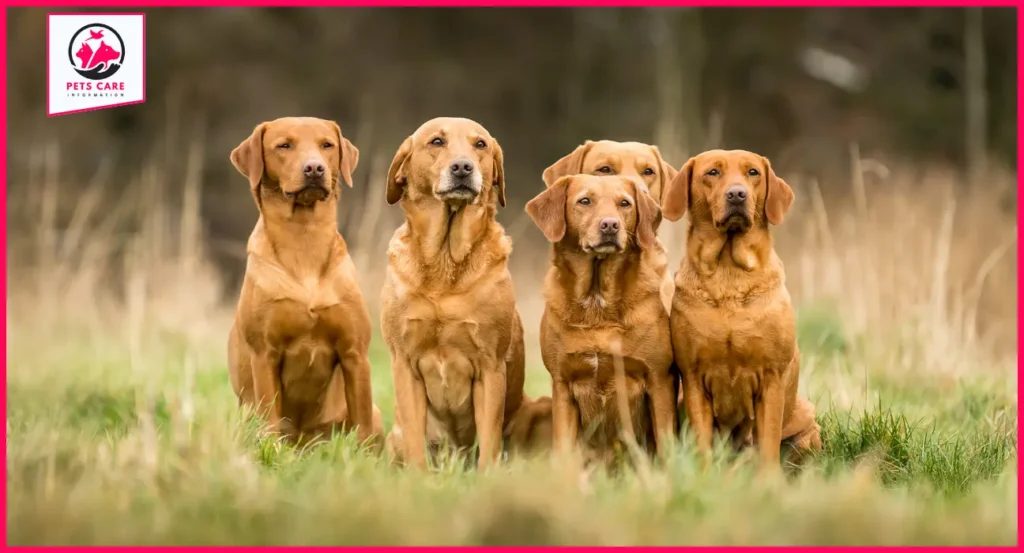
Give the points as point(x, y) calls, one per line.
point(732, 266)
point(710, 250)
point(302, 239)
point(443, 238)
point(596, 286)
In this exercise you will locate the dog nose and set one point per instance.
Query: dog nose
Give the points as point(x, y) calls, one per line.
point(736, 194)
point(313, 169)
point(462, 168)
point(609, 225)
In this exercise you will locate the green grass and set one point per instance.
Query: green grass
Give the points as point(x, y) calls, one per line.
point(109, 444)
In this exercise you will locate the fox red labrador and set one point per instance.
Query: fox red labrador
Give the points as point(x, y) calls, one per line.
point(448, 310)
point(298, 349)
point(733, 327)
point(604, 332)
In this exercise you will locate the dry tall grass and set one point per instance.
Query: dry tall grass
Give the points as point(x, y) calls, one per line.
point(900, 250)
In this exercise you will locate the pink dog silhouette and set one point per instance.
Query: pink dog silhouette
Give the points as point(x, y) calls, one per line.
point(103, 56)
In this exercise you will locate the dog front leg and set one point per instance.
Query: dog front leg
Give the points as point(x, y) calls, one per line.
point(566, 417)
point(698, 412)
point(488, 411)
point(411, 404)
point(768, 420)
point(663, 410)
point(355, 366)
point(802, 430)
point(266, 384)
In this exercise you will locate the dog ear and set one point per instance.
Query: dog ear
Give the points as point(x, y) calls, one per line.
point(499, 172)
point(349, 156)
point(548, 209)
point(571, 164)
point(778, 195)
point(247, 157)
point(396, 178)
point(648, 218)
point(676, 196)
point(667, 174)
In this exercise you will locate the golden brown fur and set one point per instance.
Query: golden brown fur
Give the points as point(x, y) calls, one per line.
point(530, 431)
point(298, 347)
point(608, 157)
point(604, 333)
point(733, 327)
point(448, 305)
point(631, 159)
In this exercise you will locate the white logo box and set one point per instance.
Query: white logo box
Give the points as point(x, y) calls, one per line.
point(81, 48)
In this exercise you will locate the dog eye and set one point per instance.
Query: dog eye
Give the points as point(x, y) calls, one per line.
point(648, 171)
point(713, 173)
point(604, 169)
point(327, 145)
point(284, 145)
point(624, 203)
point(437, 142)
point(584, 201)
point(753, 172)
point(481, 144)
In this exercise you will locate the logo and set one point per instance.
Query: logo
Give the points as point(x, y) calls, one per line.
point(92, 56)
point(95, 61)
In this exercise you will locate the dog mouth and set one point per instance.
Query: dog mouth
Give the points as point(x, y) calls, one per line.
point(605, 246)
point(734, 221)
point(309, 194)
point(463, 192)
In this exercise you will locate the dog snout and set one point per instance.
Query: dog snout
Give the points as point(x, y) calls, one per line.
point(313, 169)
point(609, 226)
point(736, 195)
point(462, 168)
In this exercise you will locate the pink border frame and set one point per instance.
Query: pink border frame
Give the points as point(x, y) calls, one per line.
point(109, 106)
point(475, 3)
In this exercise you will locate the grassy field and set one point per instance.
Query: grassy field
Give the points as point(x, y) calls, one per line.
point(122, 427)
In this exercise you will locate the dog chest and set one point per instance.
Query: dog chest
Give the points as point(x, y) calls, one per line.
point(600, 368)
point(597, 377)
point(293, 320)
point(731, 391)
point(736, 337)
point(448, 380)
point(309, 342)
point(447, 350)
point(447, 325)
point(729, 350)
point(602, 385)
point(306, 369)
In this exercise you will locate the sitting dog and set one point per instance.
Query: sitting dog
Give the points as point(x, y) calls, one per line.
point(604, 332)
point(733, 326)
point(448, 310)
point(298, 349)
point(631, 159)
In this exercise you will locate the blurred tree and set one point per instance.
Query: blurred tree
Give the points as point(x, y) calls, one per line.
point(975, 94)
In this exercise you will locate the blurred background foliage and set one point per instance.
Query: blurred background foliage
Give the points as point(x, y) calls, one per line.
point(935, 86)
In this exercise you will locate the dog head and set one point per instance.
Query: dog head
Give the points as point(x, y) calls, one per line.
point(607, 157)
point(599, 215)
point(451, 160)
point(300, 158)
point(731, 190)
